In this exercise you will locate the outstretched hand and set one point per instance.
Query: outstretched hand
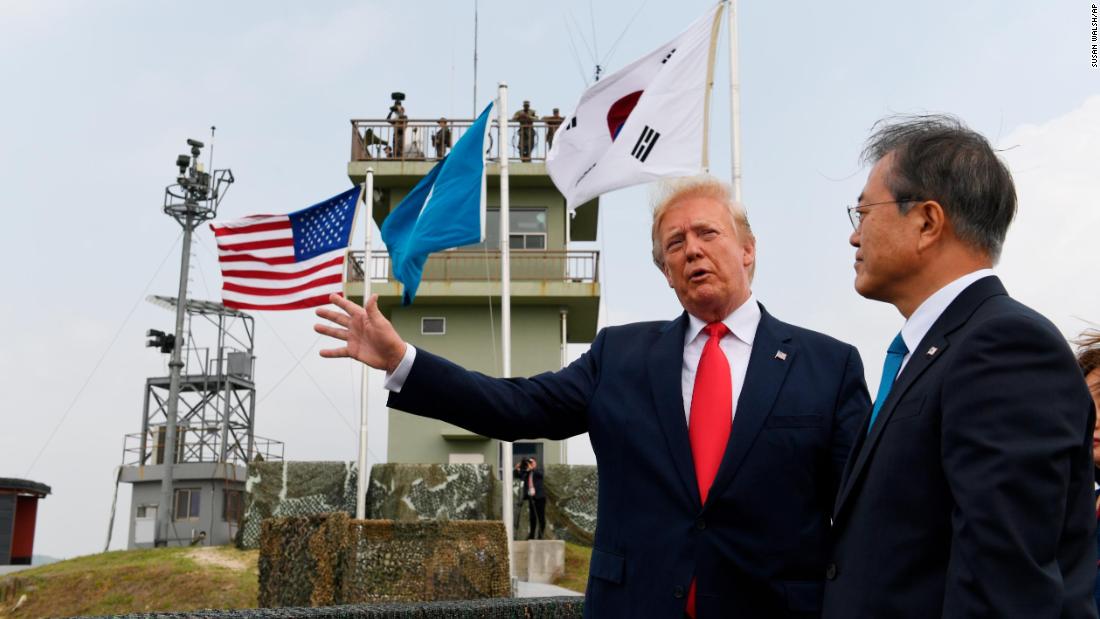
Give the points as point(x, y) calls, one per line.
point(369, 337)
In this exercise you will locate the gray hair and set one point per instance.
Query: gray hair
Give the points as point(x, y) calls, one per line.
point(937, 157)
point(671, 193)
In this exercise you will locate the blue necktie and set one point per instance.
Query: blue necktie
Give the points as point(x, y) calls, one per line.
point(890, 367)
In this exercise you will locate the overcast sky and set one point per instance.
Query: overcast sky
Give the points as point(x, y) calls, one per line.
point(98, 98)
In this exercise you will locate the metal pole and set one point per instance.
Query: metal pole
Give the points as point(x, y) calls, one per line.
point(227, 408)
point(364, 473)
point(563, 455)
point(475, 61)
point(164, 510)
point(505, 306)
point(735, 105)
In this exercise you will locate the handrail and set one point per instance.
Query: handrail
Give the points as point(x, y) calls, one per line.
point(577, 266)
point(194, 450)
point(420, 139)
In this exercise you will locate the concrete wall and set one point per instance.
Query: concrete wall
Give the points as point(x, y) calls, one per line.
point(519, 197)
point(181, 532)
point(468, 341)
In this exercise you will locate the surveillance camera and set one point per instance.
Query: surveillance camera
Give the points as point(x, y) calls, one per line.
point(397, 96)
point(194, 143)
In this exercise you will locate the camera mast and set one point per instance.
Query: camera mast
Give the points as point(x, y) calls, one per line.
point(191, 200)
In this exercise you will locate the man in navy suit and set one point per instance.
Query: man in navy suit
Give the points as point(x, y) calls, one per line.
point(969, 491)
point(720, 436)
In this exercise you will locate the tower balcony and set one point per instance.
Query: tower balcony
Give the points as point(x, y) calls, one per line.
point(569, 279)
point(387, 143)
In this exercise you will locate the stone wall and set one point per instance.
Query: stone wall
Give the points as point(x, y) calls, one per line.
point(416, 492)
point(332, 559)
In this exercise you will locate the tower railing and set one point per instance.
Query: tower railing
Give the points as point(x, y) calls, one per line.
point(578, 266)
point(381, 139)
point(194, 444)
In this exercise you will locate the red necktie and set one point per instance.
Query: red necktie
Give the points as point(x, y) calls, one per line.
point(711, 417)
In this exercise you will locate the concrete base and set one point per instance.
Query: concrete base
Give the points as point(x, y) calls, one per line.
point(539, 561)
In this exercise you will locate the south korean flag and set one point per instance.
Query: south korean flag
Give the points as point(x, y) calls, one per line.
point(641, 123)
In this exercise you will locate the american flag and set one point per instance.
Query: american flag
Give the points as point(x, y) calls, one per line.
point(283, 262)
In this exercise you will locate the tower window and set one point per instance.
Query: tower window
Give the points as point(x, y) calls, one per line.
point(527, 229)
point(187, 504)
point(433, 326)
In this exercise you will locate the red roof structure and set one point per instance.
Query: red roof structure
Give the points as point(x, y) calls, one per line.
point(18, 514)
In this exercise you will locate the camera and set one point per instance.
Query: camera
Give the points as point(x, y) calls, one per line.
point(397, 97)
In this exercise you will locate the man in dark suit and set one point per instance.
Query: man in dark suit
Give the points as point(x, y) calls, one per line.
point(720, 436)
point(969, 490)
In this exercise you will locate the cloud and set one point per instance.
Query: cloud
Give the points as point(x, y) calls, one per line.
point(1051, 252)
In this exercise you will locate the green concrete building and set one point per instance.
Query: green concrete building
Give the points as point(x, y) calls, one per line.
point(456, 314)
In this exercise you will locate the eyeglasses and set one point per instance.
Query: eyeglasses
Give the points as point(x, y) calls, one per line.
point(855, 215)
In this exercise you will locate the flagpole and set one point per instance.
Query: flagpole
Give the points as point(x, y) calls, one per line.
point(505, 307)
point(735, 105)
point(364, 473)
point(709, 85)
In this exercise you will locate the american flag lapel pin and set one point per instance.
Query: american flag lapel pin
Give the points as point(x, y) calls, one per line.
point(782, 356)
point(932, 351)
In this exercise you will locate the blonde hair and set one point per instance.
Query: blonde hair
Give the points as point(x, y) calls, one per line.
point(671, 193)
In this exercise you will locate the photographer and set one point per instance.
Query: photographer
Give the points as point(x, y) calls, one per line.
point(399, 120)
point(533, 492)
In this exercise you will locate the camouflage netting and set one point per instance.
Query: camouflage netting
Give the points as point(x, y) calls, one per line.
point(504, 608)
point(332, 559)
point(416, 492)
point(277, 489)
point(410, 492)
point(570, 504)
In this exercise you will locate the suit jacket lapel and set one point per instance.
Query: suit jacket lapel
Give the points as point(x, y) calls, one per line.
point(927, 352)
point(664, 365)
point(764, 377)
point(861, 453)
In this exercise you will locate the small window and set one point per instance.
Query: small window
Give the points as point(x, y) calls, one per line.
point(187, 504)
point(433, 326)
point(233, 506)
point(527, 229)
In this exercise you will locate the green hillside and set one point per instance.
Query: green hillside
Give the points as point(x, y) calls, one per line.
point(161, 579)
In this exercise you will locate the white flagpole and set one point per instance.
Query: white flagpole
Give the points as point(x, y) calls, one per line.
point(364, 473)
point(714, 28)
point(735, 105)
point(505, 307)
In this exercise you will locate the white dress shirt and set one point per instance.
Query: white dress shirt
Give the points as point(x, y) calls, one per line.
point(929, 312)
point(737, 345)
point(396, 379)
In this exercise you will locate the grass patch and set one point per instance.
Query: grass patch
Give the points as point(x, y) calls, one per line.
point(135, 581)
point(577, 558)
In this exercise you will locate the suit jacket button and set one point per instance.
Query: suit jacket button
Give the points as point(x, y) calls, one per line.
point(830, 571)
point(678, 592)
point(700, 524)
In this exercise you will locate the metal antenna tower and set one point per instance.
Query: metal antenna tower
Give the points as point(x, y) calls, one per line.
point(193, 199)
